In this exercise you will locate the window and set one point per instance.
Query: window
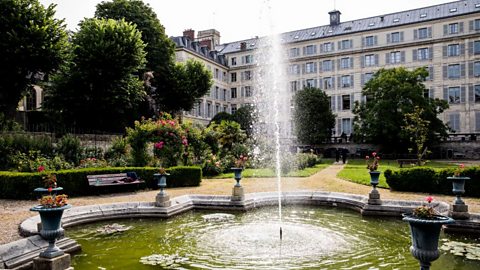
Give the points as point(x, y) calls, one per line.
point(247, 75)
point(476, 69)
point(423, 54)
point(209, 110)
point(396, 20)
point(216, 73)
point(327, 65)
point(294, 52)
point(423, 33)
point(453, 50)
point(367, 77)
point(216, 92)
point(477, 93)
point(454, 95)
point(310, 49)
point(217, 108)
point(345, 63)
point(423, 15)
point(233, 77)
point(454, 121)
point(234, 61)
point(347, 126)
point(248, 59)
point(395, 37)
point(370, 60)
point(327, 83)
point(477, 121)
point(311, 83)
point(294, 69)
point(294, 86)
point(248, 91)
point(311, 67)
point(476, 47)
point(327, 47)
point(476, 24)
point(453, 28)
point(395, 57)
point(224, 96)
point(345, 44)
point(346, 102)
point(234, 108)
point(233, 92)
point(346, 81)
point(454, 71)
point(369, 41)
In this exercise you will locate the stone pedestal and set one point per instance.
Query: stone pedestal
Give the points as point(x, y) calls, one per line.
point(374, 197)
point(459, 211)
point(58, 263)
point(238, 194)
point(162, 200)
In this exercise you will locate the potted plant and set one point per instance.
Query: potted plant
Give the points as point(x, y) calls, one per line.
point(50, 208)
point(372, 166)
point(425, 225)
point(458, 183)
point(239, 166)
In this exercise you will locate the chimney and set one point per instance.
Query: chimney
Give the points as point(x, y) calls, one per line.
point(207, 43)
point(243, 45)
point(190, 33)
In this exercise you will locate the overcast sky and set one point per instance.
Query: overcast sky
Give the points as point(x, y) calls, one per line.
point(243, 19)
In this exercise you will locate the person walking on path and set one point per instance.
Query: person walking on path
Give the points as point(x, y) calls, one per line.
point(344, 155)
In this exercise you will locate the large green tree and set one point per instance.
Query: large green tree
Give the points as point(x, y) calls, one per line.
point(246, 116)
point(32, 42)
point(99, 89)
point(312, 116)
point(390, 95)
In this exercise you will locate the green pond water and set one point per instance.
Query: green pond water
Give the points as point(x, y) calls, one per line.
point(313, 238)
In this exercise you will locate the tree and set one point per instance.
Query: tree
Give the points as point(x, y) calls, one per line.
point(391, 94)
point(191, 82)
point(32, 42)
point(99, 89)
point(313, 117)
point(221, 116)
point(246, 117)
point(416, 129)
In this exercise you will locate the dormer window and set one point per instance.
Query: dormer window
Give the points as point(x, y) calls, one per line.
point(296, 37)
point(452, 10)
point(371, 24)
point(312, 34)
point(477, 5)
point(396, 20)
point(423, 15)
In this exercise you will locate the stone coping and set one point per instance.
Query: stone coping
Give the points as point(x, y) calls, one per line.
point(92, 213)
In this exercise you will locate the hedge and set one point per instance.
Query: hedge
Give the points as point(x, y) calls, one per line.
point(432, 181)
point(15, 185)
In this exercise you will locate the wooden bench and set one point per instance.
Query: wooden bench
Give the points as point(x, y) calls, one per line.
point(408, 161)
point(116, 179)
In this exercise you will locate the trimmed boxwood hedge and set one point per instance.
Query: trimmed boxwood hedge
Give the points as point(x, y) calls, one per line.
point(15, 185)
point(432, 181)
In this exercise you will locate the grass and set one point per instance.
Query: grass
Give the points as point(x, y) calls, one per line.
point(356, 171)
point(264, 173)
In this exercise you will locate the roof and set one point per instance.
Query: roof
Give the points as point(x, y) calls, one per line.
point(424, 14)
point(197, 48)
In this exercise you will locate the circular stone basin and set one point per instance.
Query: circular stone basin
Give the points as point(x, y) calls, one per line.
point(218, 217)
point(313, 238)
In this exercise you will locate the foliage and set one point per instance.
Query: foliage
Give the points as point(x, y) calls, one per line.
point(459, 170)
point(100, 82)
point(221, 116)
point(53, 201)
point(391, 94)
point(15, 185)
point(269, 172)
point(197, 149)
point(227, 133)
point(374, 163)
point(212, 166)
point(71, 150)
point(425, 211)
point(14, 143)
point(8, 124)
point(33, 43)
point(191, 81)
point(92, 163)
point(416, 129)
point(246, 116)
point(29, 162)
point(313, 117)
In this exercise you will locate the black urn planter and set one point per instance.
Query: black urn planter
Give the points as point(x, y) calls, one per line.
point(458, 187)
point(374, 178)
point(425, 234)
point(237, 175)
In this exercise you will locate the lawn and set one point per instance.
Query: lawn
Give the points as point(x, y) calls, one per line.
point(356, 170)
point(260, 173)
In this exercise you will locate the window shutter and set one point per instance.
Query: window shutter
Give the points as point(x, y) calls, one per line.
point(401, 36)
point(338, 64)
point(477, 121)
point(470, 69)
point(445, 93)
point(462, 49)
point(445, 71)
point(430, 53)
point(430, 73)
point(340, 45)
point(415, 34)
point(320, 67)
point(470, 26)
point(445, 29)
point(243, 60)
point(339, 81)
point(339, 126)
point(414, 54)
point(362, 61)
point(451, 121)
point(402, 56)
point(460, 27)
point(333, 46)
point(315, 49)
point(351, 80)
point(376, 59)
point(362, 80)
point(242, 75)
point(304, 50)
point(351, 62)
point(303, 68)
point(321, 48)
point(339, 102)
point(470, 48)
point(332, 101)
point(320, 83)
point(375, 40)
point(363, 42)
point(333, 82)
point(351, 101)
point(462, 94)
point(333, 65)
point(471, 95)
point(444, 51)
point(388, 38)
point(462, 70)
point(429, 32)
point(351, 43)
point(387, 58)
point(242, 91)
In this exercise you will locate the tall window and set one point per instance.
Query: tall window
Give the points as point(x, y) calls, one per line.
point(346, 102)
point(477, 93)
point(369, 41)
point(453, 28)
point(310, 49)
point(367, 77)
point(345, 62)
point(327, 83)
point(311, 83)
point(248, 59)
point(294, 69)
point(347, 126)
point(423, 54)
point(346, 81)
point(248, 91)
point(327, 65)
point(233, 92)
point(346, 44)
point(454, 95)
point(209, 110)
point(294, 52)
point(234, 108)
point(476, 24)
point(395, 37)
point(294, 86)
point(453, 50)
point(369, 60)
point(224, 96)
point(247, 75)
point(454, 71)
point(476, 47)
point(234, 61)
point(395, 57)
point(454, 121)
point(311, 67)
point(476, 69)
point(327, 47)
point(233, 77)
point(423, 33)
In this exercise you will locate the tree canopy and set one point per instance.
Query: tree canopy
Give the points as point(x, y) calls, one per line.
point(313, 118)
point(32, 42)
point(98, 89)
point(390, 95)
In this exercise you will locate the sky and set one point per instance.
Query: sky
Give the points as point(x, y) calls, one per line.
point(244, 19)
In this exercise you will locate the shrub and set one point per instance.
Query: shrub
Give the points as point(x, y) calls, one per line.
point(305, 160)
point(69, 146)
point(11, 144)
point(14, 185)
point(30, 162)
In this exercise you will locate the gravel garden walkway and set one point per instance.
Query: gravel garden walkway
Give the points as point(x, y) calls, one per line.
point(14, 212)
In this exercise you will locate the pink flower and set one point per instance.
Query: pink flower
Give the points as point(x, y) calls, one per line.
point(429, 199)
point(171, 134)
point(462, 166)
point(185, 142)
point(159, 145)
point(41, 168)
point(374, 153)
point(367, 157)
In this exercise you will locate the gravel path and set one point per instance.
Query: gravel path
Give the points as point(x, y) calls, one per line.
point(14, 212)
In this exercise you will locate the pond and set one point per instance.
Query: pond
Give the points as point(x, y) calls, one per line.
point(312, 238)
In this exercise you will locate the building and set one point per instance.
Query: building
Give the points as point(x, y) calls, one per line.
point(341, 57)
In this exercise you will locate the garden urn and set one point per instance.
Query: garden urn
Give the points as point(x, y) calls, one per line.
point(425, 233)
point(374, 178)
point(161, 179)
point(237, 175)
point(458, 183)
